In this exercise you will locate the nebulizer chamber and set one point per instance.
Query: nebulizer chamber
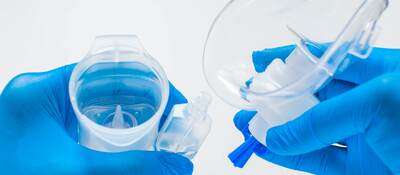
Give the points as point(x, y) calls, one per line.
point(323, 33)
point(119, 93)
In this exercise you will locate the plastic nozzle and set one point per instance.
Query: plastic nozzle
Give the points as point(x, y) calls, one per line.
point(242, 154)
point(118, 119)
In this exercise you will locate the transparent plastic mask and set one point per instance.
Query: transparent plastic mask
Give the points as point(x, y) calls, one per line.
point(245, 26)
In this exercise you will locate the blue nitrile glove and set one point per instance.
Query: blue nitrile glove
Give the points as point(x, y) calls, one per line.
point(360, 109)
point(38, 133)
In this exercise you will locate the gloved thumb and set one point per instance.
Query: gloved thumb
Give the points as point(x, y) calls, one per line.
point(136, 162)
point(330, 121)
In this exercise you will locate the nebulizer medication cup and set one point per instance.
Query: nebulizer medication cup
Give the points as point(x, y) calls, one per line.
point(323, 33)
point(118, 92)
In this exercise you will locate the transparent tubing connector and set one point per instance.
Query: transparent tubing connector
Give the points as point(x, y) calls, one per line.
point(118, 92)
point(286, 88)
point(186, 127)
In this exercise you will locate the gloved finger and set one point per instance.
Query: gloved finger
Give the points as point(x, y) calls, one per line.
point(46, 93)
point(330, 121)
point(241, 121)
point(136, 162)
point(261, 59)
point(42, 92)
point(175, 97)
point(334, 88)
point(330, 160)
point(380, 61)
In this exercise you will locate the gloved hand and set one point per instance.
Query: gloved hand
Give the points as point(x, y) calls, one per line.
point(359, 109)
point(38, 133)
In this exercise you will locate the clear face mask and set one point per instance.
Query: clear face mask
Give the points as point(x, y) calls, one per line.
point(119, 93)
point(323, 32)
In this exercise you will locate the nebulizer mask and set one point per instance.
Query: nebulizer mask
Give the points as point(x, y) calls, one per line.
point(119, 93)
point(324, 33)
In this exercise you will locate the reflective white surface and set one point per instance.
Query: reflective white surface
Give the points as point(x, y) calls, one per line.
point(44, 34)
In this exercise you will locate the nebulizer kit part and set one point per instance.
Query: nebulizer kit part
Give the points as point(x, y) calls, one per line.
point(324, 33)
point(119, 93)
point(186, 127)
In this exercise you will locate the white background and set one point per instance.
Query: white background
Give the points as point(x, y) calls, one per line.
point(40, 35)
